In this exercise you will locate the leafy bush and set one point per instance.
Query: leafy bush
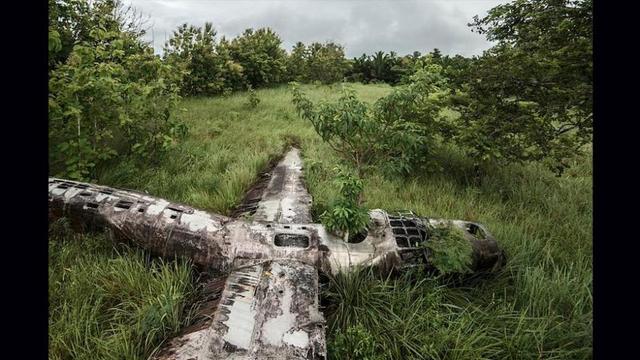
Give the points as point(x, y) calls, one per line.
point(397, 132)
point(415, 113)
point(365, 135)
point(111, 96)
point(450, 252)
point(346, 215)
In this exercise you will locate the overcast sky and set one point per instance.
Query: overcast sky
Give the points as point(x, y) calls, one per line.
point(360, 26)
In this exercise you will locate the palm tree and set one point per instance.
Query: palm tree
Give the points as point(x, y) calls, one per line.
point(379, 62)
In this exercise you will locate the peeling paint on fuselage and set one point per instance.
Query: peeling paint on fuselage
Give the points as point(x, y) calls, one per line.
point(239, 321)
point(278, 326)
point(285, 199)
point(269, 306)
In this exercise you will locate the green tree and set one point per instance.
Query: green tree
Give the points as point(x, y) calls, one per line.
point(297, 63)
point(530, 96)
point(111, 96)
point(71, 22)
point(326, 62)
point(261, 56)
point(207, 67)
point(360, 69)
point(436, 54)
point(454, 68)
point(232, 72)
point(380, 67)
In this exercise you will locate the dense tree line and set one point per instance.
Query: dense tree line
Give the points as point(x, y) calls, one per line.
point(317, 62)
point(527, 98)
point(382, 67)
point(394, 70)
point(254, 59)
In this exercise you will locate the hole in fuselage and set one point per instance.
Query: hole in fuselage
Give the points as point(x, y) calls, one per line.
point(476, 231)
point(358, 237)
point(291, 240)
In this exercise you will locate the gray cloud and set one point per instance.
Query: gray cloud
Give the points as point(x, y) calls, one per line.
point(361, 26)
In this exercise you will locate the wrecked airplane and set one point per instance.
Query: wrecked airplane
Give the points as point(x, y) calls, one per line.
point(270, 252)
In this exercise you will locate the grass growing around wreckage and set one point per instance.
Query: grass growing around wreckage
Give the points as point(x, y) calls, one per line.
point(111, 302)
point(540, 306)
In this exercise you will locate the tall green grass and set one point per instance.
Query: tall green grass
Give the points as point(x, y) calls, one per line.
point(109, 302)
point(540, 306)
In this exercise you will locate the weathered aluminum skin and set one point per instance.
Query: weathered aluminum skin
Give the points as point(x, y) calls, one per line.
point(271, 253)
point(267, 310)
point(285, 200)
point(165, 228)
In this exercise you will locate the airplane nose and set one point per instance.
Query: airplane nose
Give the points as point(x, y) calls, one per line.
point(487, 255)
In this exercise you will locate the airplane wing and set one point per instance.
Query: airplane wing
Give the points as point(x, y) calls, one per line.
point(279, 196)
point(266, 311)
point(268, 308)
point(160, 226)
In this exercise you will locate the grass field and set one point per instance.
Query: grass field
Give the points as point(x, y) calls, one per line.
point(108, 302)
